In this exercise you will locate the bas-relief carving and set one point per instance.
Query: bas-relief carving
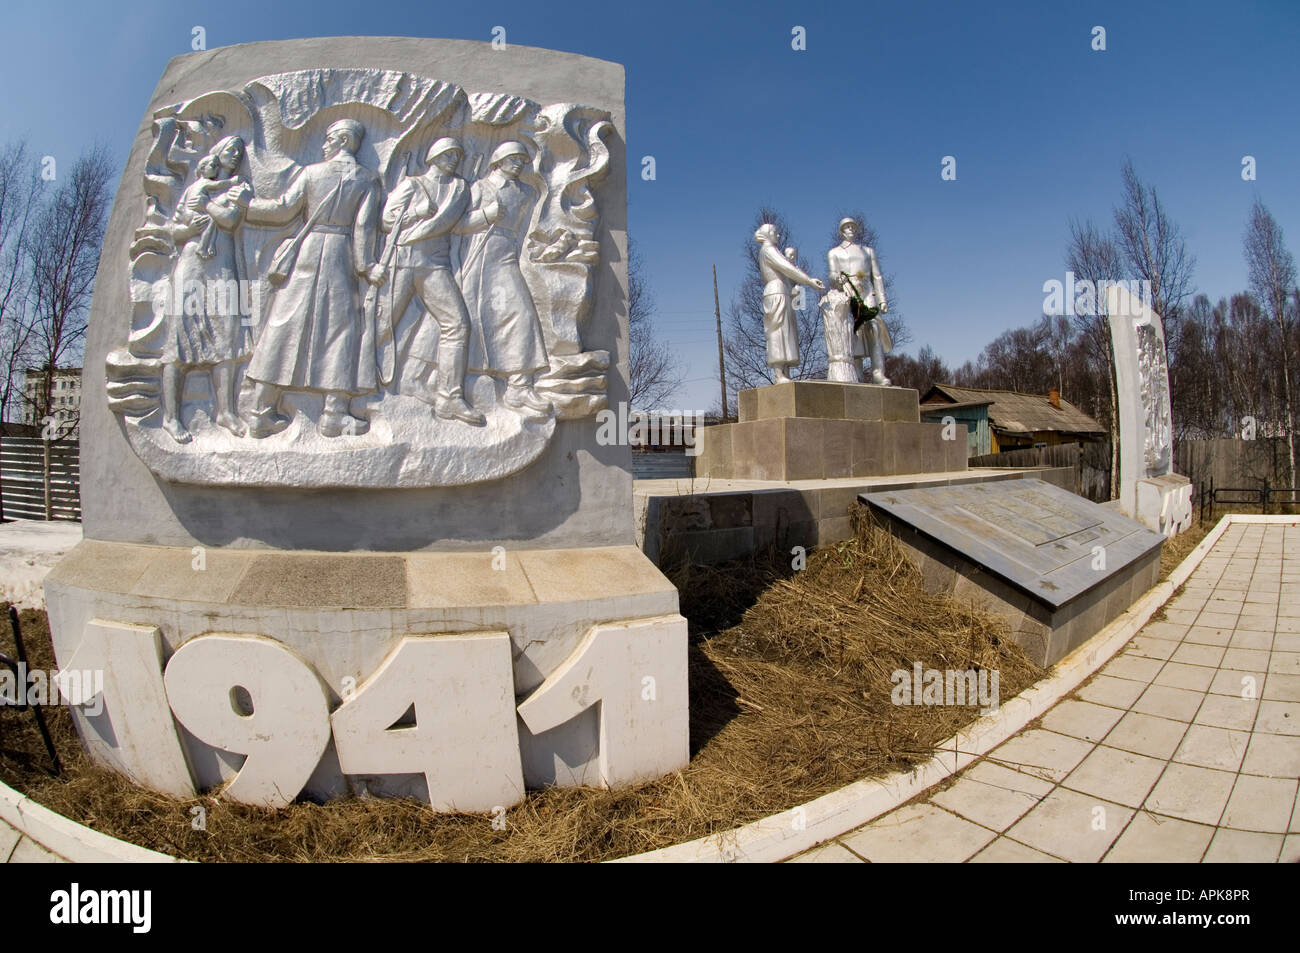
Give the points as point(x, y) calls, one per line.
point(311, 308)
point(1142, 378)
point(1154, 375)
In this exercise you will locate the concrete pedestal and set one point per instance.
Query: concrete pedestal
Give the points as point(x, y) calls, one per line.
point(1164, 503)
point(344, 615)
point(824, 430)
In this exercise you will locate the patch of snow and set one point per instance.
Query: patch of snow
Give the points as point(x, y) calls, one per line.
point(28, 550)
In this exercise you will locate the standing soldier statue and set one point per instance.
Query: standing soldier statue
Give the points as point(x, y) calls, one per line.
point(852, 310)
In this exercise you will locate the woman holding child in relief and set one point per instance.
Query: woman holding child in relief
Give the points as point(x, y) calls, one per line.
point(204, 320)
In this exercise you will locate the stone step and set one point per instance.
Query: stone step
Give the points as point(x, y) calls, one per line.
point(829, 400)
point(814, 448)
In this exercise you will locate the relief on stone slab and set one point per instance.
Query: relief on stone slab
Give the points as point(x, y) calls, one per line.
point(358, 277)
point(1154, 375)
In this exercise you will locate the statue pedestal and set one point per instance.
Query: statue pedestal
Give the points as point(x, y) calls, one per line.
point(1164, 503)
point(460, 679)
point(825, 430)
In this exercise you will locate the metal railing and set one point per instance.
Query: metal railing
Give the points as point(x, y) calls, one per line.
point(1263, 496)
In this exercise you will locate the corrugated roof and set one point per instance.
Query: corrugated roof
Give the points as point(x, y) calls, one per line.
point(1013, 412)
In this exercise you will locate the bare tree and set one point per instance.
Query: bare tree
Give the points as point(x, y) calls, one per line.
point(920, 372)
point(1094, 257)
point(63, 260)
point(654, 370)
point(1272, 278)
point(20, 197)
point(1153, 248)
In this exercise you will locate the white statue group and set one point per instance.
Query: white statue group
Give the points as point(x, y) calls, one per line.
point(322, 333)
point(851, 309)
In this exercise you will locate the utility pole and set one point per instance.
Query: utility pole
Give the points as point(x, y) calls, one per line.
point(722, 367)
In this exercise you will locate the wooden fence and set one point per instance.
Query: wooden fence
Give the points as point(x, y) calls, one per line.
point(22, 479)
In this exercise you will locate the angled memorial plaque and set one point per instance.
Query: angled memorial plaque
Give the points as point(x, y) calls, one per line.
point(1031, 548)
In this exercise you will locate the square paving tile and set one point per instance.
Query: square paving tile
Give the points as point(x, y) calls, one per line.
point(1239, 682)
point(1252, 660)
point(1272, 756)
point(1283, 688)
point(1278, 718)
point(1164, 630)
point(1115, 692)
point(1286, 642)
point(1072, 826)
point(1284, 663)
point(1177, 704)
point(1150, 838)
point(1152, 648)
point(1115, 775)
point(1196, 678)
point(1251, 639)
point(1135, 667)
point(1199, 654)
point(830, 853)
point(1290, 850)
point(1191, 793)
point(1080, 719)
point(30, 852)
point(1006, 851)
point(9, 838)
point(918, 833)
point(1220, 618)
point(1243, 847)
point(1147, 734)
point(1212, 747)
point(1182, 616)
point(1044, 754)
point(1227, 711)
point(1208, 635)
point(1260, 804)
point(994, 796)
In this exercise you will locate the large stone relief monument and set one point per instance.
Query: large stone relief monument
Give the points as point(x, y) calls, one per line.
point(361, 277)
point(1149, 490)
point(348, 525)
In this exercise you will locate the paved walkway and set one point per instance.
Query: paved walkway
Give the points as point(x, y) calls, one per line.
point(1184, 747)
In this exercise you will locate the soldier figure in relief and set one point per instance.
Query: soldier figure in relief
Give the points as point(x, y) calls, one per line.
point(421, 213)
point(844, 347)
point(779, 324)
point(316, 337)
point(507, 339)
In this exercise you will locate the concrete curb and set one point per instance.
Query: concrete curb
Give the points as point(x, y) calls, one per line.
point(779, 836)
point(68, 839)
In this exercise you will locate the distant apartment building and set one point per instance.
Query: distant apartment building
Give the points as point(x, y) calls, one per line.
point(65, 400)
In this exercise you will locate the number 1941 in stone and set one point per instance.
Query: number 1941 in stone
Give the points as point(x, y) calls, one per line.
point(439, 706)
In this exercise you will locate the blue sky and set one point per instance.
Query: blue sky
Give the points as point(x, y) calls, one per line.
point(1038, 122)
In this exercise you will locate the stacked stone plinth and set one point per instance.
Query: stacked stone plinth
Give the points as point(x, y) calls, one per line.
point(824, 430)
